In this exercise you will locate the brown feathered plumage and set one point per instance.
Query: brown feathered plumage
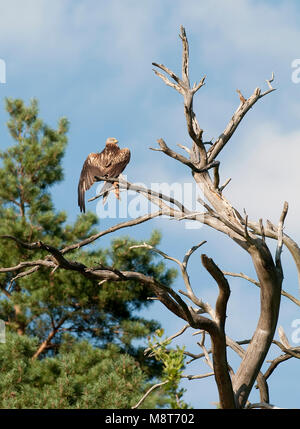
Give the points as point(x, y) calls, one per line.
point(109, 163)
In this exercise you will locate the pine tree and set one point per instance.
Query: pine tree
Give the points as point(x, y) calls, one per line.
point(45, 306)
point(79, 376)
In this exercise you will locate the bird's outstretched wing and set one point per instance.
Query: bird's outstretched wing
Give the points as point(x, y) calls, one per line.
point(110, 163)
point(92, 167)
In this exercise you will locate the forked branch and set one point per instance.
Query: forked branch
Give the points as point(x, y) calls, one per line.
point(182, 85)
point(243, 108)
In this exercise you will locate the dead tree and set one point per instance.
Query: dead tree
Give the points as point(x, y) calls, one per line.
point(219, 214)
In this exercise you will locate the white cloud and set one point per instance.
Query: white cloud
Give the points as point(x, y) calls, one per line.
point(247, 27)
point(32, 26)
point(265, 172)
point(64, 30)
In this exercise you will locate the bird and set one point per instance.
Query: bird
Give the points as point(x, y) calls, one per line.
point(108, 163)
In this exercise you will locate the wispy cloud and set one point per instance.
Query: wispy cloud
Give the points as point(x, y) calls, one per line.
point(267, 173)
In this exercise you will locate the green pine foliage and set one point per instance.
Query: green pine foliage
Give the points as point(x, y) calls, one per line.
point(80, 376)
point(106, 314)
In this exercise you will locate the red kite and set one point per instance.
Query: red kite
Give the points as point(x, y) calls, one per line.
point(109, 163)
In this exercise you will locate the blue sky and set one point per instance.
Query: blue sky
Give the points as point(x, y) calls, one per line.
point(91, 62)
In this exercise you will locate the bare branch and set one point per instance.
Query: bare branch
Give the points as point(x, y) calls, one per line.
point(196, 88)
point(184, 148)
point(23, 274)
point(262, 405)
point(165, 294)
point(224, 185)
point(193, 216)
point(155, 386)
point(183, 265)
point(262, 231)
point(269, 85)
point(190, 252)
point(270, 80)
point(247, 236)
point(154, 249)
point(149, 193)
point(110, 230)
point(168, 151)
point(224, 290)
point(47, 262)
point(25, 264)
point(237, 117)
point(199, 376)
point(292, 351)
point(185, 58)
point(272, 232)
point(283, 337)
point(218, 338)
point(236, 346)
point(51, 335)
point(206, 355)
point(204, 306)
point(243, 276)
point(216, 176)
point(280, 237)
point(170, 338)
point(166, 80)
point(242, 98)
point(171, 74)
point(256, 283)
point(30, 246)
point(274, 363)
point(171, 153)
point(183, 87)
point(207, 207)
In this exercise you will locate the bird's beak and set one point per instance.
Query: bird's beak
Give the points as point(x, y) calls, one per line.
point(116, 141)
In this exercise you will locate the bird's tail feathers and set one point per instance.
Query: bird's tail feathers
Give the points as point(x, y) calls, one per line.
point(105, 190)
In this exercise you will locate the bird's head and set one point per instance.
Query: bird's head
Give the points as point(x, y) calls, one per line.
point(111, 140)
